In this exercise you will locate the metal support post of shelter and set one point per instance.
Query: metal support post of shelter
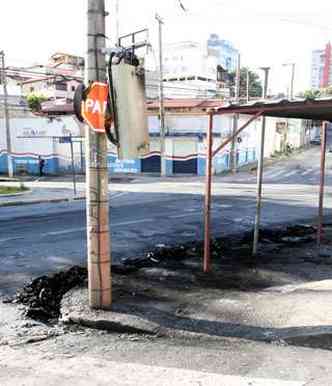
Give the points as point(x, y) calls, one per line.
point(321, 185)
point(320, 109)
point(208, 182)
point(260, 169)
point(259, 189)
point(207, 204)
point(238, 131)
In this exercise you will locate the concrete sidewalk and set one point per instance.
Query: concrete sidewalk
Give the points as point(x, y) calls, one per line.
point(42, 195)
point(46, 196)
point(60, 189)
point(104, 372)
point(51, 189)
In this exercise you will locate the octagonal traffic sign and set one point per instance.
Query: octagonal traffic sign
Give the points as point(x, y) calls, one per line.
point(94, 106)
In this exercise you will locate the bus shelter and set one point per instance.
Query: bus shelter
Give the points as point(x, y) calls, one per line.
point(317, 109)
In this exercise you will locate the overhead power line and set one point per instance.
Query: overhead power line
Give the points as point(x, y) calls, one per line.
point(251, 12)
point(182, 6)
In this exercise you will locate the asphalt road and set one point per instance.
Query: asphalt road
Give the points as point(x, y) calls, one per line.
point(44, 238)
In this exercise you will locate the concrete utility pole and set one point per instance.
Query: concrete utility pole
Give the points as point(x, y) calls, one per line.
point(7, 119)
point(260, 169)
point(291, 92)
point(161, 101)
point(117, 22)
point(248, 84)
point(233, 161)
point(98, 236)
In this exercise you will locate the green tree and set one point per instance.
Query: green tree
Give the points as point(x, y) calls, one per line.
point(35, 101)
point(312, 94)
point(327, 91)
point(255, 84)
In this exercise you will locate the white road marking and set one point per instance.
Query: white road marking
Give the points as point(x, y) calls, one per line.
point(270, 172)
point(221, 206)
point(131, 222)
point(117, 194)
point(81, 229)
point(183, 215)
point(64, 231)
point(275, 173)
point(290, 173)
point(306, 172)
point(5, 240)
point(197, 213)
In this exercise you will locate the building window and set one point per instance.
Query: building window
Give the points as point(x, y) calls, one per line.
point(32, 89)
point(73, 88)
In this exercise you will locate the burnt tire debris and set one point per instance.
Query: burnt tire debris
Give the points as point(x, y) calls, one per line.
point(235, 246)
point(42, 296)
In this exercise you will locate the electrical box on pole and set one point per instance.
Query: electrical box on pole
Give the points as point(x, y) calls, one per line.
point(118, 108)
point(131, 120)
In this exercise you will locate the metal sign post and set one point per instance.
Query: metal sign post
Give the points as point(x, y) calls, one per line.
point(69, 140)
point(7, 117)
point(73, 165)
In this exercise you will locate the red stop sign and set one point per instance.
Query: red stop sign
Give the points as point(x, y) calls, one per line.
point(94, 106)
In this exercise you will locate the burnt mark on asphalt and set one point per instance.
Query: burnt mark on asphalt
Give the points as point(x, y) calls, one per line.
point(179, 265)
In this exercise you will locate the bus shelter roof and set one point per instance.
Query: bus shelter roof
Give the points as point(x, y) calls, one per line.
point(314, 109)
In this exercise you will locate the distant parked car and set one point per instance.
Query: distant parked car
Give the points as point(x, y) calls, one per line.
point(315, 141)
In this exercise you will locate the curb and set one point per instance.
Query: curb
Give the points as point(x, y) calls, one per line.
point(50, 201)
point(318, 339)
point(125, 318)
point(75, 310)
point(34, 202)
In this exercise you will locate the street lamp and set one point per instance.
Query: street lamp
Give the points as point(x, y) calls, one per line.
point(266, 80)
point(291, 94)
